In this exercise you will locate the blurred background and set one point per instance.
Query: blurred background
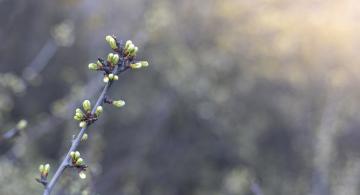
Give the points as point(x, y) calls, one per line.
point(238, 94)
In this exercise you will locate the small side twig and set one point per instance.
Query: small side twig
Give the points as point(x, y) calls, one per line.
point(44, 170)
point(14, 132)
point(255, 187)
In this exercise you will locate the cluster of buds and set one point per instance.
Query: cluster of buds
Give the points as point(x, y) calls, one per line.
point(112, 41)
point(87, 118)
point(76, 161)
point(44, 170)
point(108, 67)
point(130, 49)
point(127, 55)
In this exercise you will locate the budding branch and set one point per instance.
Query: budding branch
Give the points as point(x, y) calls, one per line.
point(100, 102)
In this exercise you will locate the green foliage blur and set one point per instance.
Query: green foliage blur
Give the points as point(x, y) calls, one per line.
point(235, 91)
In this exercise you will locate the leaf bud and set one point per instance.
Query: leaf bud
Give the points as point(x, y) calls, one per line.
point(110, 57)
point(99, 110)
point(46, 168)
point(84, 137)
point(115, 59)
point(72, 155)
point(21, 124)
point(79, 161)
point(79, 111)
point(133, 52)
point(106, 79)
point(79, 115)
point(144, 63)
point(82, 124)
point(113, 43)
point(127, 44)
point(108, 38)
point(93, 66)
point(77, 155)
point(86, 105)
point(130, 48)
point(119, 103)
point(136, 65)
point(82, 175)
point(41, 168)
point(99, 63)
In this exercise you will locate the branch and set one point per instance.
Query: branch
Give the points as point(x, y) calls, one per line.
point(76, 142)
point(112, 67)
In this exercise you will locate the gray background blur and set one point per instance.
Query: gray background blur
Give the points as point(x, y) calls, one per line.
point(236, 92)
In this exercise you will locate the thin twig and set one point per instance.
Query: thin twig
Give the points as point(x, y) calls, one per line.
point(255, 187)
point(324, 143)
point(12, 133)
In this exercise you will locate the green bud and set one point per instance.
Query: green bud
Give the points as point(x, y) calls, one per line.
point(106, 79)
point(82, 124)
point(108, 38)
point(113, 43)
point(79, 161)
point(79, 111)
point(136, 66)
point(99, 110)
point(130, 48)
point(86, 105)
point(21, 124)
point(77, 155)
point(116, 77)
point(119, 103)
point(77, 118)
point(99, 63)
point(144, 63)
point(46, 168)
point(127, 44)
point(79, 115)
point(110, 57)
point(72, 155)
point(111, 76)
point(93, 66)
point(115, 59)
point(84, 137)
point(133, 52)
point(82, 175)
point(41, 168)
